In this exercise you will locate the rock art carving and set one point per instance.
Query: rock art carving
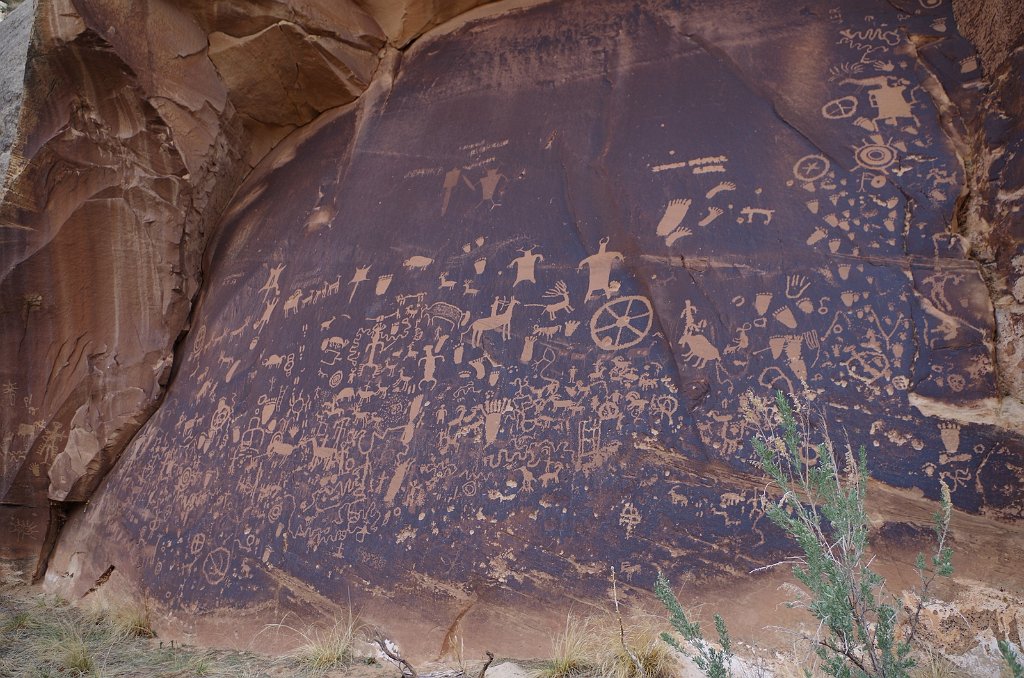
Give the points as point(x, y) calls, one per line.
point(312, 438)
point(599, 266)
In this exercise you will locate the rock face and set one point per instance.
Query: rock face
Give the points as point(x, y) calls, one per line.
point(470, 340)
point(137, 122)
point(991, 219)
point(13, 52)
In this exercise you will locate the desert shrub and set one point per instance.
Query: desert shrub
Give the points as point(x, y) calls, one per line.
point(713, 661)
point(819, 502)
point(1012, 657)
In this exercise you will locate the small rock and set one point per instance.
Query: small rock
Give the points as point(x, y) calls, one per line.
point(507, 670)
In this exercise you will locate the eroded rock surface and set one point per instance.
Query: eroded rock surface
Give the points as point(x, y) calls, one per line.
point(470, 341)
point(133, 124)
point(990, 221)
point(482, 324)
point(13, 52)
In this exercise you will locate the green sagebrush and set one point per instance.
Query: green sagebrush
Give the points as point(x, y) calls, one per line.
point(1010, 654)
point(863, 630)
point(709, 659)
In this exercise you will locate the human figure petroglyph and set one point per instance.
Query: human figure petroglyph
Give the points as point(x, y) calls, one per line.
point(696, 344)
point(429, 362)
point(451, 180)
point(375, 345)
point(741, 342)
point(629, 518)
point(271, 286)
point(488, 185)
point(525, 266)
point(600, 268)
point(887, 95)
point(268, 310)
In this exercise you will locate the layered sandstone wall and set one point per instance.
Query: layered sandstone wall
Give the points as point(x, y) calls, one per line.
point(121, 144)
point(489, 331)
point(454, 325)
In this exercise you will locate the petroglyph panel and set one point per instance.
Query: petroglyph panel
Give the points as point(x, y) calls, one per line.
point(518, 351)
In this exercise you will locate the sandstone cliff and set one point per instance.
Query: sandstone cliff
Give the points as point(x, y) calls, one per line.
point(480, 321)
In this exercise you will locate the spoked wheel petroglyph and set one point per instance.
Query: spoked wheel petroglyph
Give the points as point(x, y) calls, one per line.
point(811, 167)
point(621, 323)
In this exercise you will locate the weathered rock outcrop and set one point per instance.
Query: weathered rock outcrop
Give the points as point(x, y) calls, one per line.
point(13, 52)
point(990, 219)
point(138, 121)
point(486, 326)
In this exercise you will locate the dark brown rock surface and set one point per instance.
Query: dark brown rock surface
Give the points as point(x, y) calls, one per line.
point(488, 330)
point(136, 122)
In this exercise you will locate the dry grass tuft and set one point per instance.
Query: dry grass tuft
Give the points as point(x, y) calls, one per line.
point(75, 656)
point(597, 648)
point(10, 576)
point(135, 621)
point(45, 636)
point(326, 649)
point(573, 651)
point(643, 646)
point(934, 665)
